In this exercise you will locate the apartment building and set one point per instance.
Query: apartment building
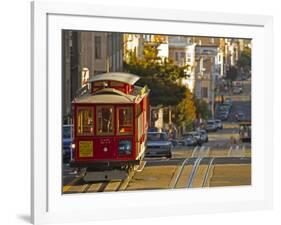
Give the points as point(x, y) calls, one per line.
point(182, 52)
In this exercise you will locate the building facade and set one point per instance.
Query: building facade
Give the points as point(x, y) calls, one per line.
point(206, 74)
point(87, 54)
point(182, 52)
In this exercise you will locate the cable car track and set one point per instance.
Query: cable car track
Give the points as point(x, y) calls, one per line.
point(193, 172)
point(100, 186)
point(207, 172)
point(175, 181)
point(76, 186)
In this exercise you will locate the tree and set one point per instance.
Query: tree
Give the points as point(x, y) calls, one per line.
point(202, 109)
point(231, 73)
point(160, 76)
point(245, 59)
point(185, 112)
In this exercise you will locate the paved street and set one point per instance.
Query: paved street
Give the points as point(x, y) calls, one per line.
point(176, 173)
point(191, 167)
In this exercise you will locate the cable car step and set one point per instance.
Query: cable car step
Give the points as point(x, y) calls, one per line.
point(105, 175)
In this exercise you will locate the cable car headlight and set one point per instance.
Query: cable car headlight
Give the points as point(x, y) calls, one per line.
point(125, 147)
point(72, 146)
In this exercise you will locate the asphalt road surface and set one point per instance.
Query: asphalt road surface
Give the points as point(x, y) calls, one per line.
point(188, 168)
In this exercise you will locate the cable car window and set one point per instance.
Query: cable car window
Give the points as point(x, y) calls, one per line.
point(125, 120)
point(116, 84)
point(85, 124)
point(100, 84)
point(105, 120)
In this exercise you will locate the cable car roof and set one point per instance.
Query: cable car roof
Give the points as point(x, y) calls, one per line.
point(116, 76)
point(111, 95)
point(105, 98)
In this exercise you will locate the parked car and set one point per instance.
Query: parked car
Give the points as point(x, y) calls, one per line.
point(223, 111)
point(228, 102)
point(211, 126)
point(197, 137)
point(223, 115)
point(219, 124)
point(225, 106)
point(237, 90)
point(188, 140)
point(66, 142)
point(203, 135)
point(153, 129)
point(158, 145)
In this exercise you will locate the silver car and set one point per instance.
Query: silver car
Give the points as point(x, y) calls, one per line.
point(203, 135)
point(158, 145)
point(219, 124)
point(211, 126)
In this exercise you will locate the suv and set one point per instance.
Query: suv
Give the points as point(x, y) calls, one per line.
point(158, 145)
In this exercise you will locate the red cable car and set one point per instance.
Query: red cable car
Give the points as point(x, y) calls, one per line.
point(110, 126)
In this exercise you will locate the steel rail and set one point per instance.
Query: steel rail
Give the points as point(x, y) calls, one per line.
point(207, 173)
point(174, 184)
point(193, 172)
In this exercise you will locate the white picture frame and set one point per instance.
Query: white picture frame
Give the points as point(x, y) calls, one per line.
point(47, 203)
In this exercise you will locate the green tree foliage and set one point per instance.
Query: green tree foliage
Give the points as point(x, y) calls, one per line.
point(231, 73)
point(163, 93)
point(160, 76)
point(202, 109)
point(245, 59)
point(162, 79)
point(185, 112)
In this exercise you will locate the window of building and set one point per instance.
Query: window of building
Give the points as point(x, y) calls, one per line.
point(182, 55)
point(177, 56)
point(85, 124)
point(125, 120)
point(105, 120)
point(204, 92)
point(97, 47)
